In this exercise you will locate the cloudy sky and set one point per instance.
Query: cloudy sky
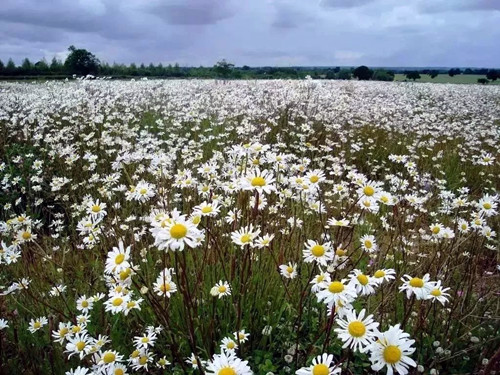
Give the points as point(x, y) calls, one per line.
point(257, 32)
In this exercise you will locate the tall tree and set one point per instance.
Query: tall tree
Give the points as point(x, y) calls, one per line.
point(363, 73)
point(2, 68)
point(493, 74)
point(223, 68)
point(81, 62)
point(56, 66)
point(11, 68)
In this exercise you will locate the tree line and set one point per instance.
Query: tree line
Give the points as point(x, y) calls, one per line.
point(81, 62)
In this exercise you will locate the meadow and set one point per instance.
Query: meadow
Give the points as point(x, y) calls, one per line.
point(249, 227)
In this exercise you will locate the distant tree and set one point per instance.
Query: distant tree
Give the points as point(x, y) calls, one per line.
point(383, 75)
point(483, 81)
point(2, 68)
point(363, 73)
point(223, 68)
point(336, 69)
point(493, 74)
point(454, 72)
point(26, 67)
point(81, 62)
point(344, 74)
point(468, 71)
point(433, 74)
point(245, 67)
point(41, 67)
point(413, 75)
point(330, 74)
point(56, 66)
point(11, 68)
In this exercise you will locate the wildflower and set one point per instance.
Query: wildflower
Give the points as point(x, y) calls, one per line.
point(321, 365)
point(438, 293)
point(227, 364)
point(368, 243)
point(414, 285)
point(392, 350)
point(262, 182)
point(117, 260)
point(164, 286)
point(363, 284)
point(245, 236)
point(36, 324)
point(289, 270)
point(221, 289)
point(356, 332)
point(320, 253)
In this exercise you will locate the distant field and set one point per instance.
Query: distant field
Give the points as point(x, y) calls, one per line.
point(445, 78)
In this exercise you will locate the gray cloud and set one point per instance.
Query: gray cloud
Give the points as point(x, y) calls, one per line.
point(345, 3)
point(192, 12)
point(257, 33)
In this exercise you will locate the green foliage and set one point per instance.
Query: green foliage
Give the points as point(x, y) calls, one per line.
point(363, 73)
point(413, 75)
point(81, 62)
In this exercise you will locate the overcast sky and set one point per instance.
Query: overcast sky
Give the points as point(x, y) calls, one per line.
point(257, 32)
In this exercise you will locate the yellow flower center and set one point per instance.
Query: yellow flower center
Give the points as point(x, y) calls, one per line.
point(96, 208)
point(368, 244)
point(108, 357)
point(80, 345)
point(436, 292)
point(120, 258)
point(314, 179)
point(145, 340)
point(416, 282)
point(178, 231)
point(367, 203)
point(486, 205)
point(222, 289)
point(63, 332)
point(384, 198)
point(379, 274)
point(392, 354)
point(320, 369)
point(318, 250)
point(76, 329)
point(258, 181)
point(143, 191)
point(165, 287)
point(130, 305)
point(356, 328)
point(37, 325)
point(436, 230)
point(363, 280)
point(368, 191)
point(117, 301)
point(340, 252)
point(143, 360)
point(85, 304)
point(245, 238)
point(135, 354)
point(196, 220)
point(206, 209)
point(26, 235)
point(125, 274)
point(289, 269)
point(336, 287)
point(21, 219)
point(230, 345)
point(119, 371)
point(226, 371)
